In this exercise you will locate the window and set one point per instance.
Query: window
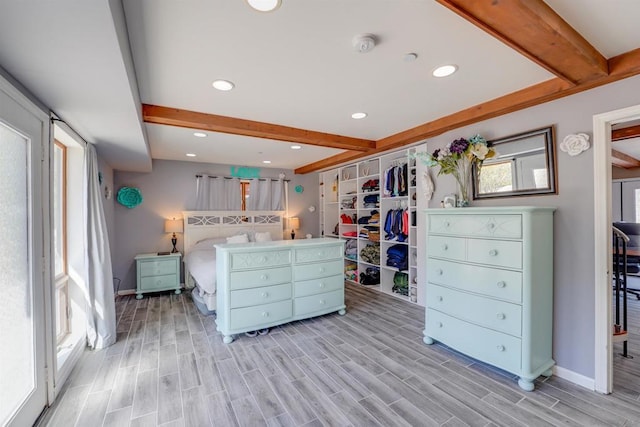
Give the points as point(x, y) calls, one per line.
point(63, 327)
point(244, 186)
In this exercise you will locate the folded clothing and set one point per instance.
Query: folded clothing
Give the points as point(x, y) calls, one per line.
point(371, 254)
point(397, 256)
point(371, 276)
point(401, 283)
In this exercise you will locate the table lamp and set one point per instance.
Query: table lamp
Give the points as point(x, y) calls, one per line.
point(173, 226)
point(294, 224)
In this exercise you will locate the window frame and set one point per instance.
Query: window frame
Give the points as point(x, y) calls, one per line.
point(61, 280)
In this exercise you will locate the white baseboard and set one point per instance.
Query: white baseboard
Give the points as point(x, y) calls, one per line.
point(574, 377)
point(126, 292)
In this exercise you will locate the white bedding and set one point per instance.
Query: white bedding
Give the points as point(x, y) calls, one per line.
point(201, 264)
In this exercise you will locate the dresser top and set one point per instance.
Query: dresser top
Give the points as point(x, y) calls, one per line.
point(490, 210)
point(280, 244)
point(155, 255)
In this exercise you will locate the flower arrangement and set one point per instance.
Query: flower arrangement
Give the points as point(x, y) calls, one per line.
point(457, 158)
point(129, 197)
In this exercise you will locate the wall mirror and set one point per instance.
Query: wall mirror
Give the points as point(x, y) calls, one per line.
point(524, 165)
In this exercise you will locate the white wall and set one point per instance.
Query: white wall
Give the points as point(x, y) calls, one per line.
point(168, 190)
point(574, 304)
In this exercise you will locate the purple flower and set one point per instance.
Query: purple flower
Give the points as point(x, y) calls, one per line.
point(435, 154)
point(459, 146)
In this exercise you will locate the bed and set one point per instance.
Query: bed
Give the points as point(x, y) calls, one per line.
point(204, 229)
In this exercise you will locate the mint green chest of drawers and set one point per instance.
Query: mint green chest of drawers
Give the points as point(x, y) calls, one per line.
point(489, 287)
point(260, 285)
point(156, 273)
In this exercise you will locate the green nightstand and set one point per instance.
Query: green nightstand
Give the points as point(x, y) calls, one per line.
point(156, 273)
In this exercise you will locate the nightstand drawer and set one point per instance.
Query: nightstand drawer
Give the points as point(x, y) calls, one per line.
point(496, 348)
point(160, 283)
point(264, 295)
point(317, 270)
point(318, 286)
point(447, 247)
point(502, 284)
point(498, 315)
point(158, 267)
point(257, 316)
point(503, 226)
point(253, 260)
point(320, 302)
point(501, 253)
point(318, 254)
point(266, 277)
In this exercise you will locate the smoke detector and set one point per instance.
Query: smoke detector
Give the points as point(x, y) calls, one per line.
point(364, 43)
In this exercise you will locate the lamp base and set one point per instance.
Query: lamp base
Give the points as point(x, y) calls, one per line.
point(174, 241)
point(293, 235)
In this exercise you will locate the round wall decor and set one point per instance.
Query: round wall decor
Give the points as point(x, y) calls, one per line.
point(129, 197)
point(299, 188)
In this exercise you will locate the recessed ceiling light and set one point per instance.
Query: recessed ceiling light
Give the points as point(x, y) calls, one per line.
point(410, 57)
point(190, 155)
point(358, 116)
point(200, 134)
point(444, 71)
point(296, 147)
point(264, 5)
point(224, 85)
point(266, 162)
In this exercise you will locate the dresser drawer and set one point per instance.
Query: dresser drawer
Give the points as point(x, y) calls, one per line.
point(318, 254)
point(496, 348)
point(257, 278)
point(498, 315)
point(158, 267)
point(447, 247)
point(160, 283)
point(255, 317)
point(317, 270)
point(317, 286)
point(502, 226)
point(252, 260)
point(319, 302)
point(502, 284)
point(263, 295)
point(495, 252)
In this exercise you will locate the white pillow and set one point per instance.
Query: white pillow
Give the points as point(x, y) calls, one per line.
point(263, 237)
point(208, 243)
point(239, 238)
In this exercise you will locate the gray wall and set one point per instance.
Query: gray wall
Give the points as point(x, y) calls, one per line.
point(170, 189)
point(574, 304)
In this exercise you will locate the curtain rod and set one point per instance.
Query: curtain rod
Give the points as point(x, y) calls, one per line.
point(247, 179)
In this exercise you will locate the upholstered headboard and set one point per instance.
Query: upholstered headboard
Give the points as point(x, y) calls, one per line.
point(200, 225)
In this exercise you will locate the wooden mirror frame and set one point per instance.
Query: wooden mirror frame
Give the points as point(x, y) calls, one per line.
point(550, 149)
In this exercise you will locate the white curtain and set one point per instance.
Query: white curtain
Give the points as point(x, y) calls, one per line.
point(266, 194)
point(101, 311)
point(218, 193)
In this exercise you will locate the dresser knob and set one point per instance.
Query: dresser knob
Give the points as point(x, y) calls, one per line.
point(500, 348)
point(265, 294)
point(447, 224)
point(493, 252)
point(262, 259)
point(321, 285)
point(158, 282)
point(321, 254)
point(445, 247)
point(501, 316)
point(321, 269)
point(501, 284)
point(439, 272)
point(440, 298)
point(491, 226)
point(321, 302)
point(264, 277)
point(265, 314)
point(439, 324)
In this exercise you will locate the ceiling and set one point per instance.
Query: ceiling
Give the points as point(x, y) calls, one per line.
point(297, 76)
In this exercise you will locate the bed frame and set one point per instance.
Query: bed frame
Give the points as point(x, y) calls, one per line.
point(199, 225)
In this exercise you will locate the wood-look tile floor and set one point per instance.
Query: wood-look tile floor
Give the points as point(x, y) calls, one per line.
point(367, 368)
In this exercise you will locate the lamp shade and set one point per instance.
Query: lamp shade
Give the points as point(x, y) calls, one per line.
point(173, 226)
point(294, 223)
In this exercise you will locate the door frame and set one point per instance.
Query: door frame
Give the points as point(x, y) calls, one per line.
point(603, 378)
point(15, 91)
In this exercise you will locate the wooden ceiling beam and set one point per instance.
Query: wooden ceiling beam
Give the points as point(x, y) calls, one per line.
point(625, 133)
point(535, 30)
point(621, 66)
point(624, 161)
point(214, 123)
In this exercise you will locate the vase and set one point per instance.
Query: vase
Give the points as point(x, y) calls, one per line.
point(462, 174)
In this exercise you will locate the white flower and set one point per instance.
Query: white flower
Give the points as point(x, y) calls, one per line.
point(574, 144)
point(480, 151)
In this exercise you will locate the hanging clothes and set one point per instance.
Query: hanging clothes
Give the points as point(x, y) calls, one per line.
point(396, 225)
point(395, 181)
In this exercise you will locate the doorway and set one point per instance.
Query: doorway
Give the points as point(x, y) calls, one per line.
point(602, 238)
point(24, 133)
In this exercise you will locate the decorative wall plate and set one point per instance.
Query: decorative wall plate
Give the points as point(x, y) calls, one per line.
point(299, 188)
point(129, 197)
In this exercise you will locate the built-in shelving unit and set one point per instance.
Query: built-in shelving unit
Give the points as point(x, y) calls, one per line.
point(374, 205)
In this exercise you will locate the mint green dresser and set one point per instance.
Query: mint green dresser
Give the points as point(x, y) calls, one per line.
point(260, 285)
point(489, 287)
point(156, 273)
